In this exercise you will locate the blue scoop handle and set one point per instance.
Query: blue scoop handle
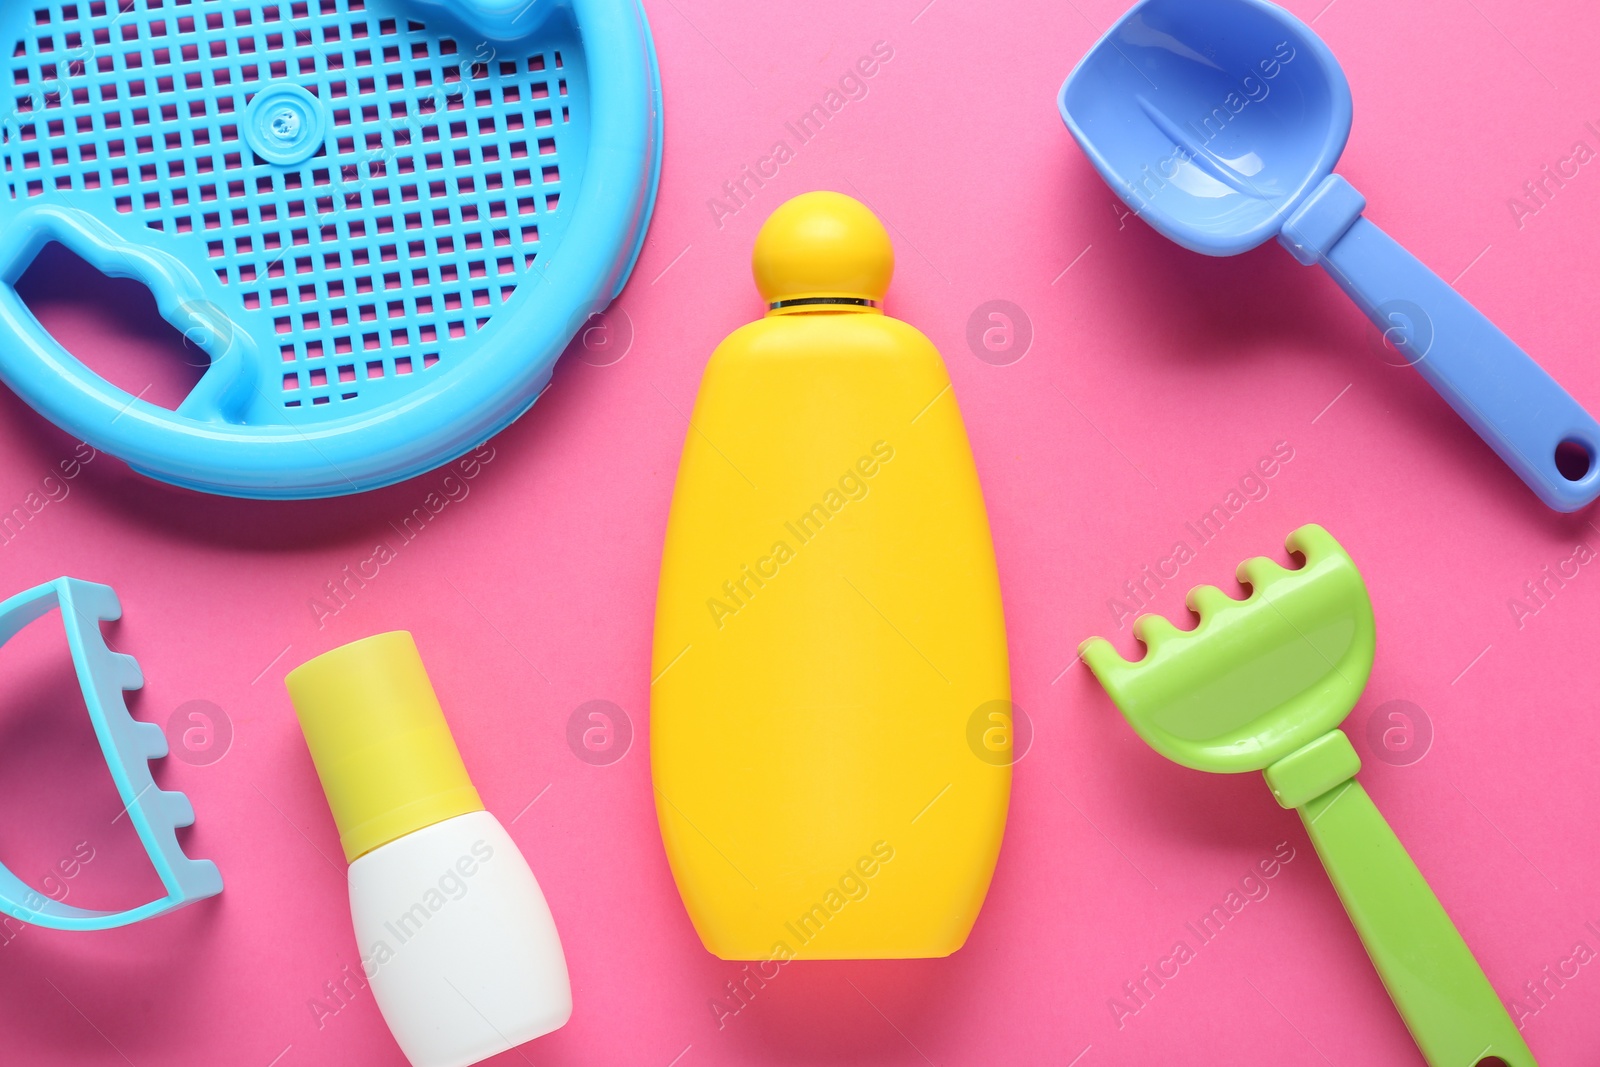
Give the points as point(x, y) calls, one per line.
point(1513, 404)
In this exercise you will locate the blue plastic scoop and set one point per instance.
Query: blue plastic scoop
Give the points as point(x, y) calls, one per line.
point(1219, 122)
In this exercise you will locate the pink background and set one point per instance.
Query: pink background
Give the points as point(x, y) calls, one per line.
point(1154, 380)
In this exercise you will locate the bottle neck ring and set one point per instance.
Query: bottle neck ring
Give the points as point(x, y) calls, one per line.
point(815, 301)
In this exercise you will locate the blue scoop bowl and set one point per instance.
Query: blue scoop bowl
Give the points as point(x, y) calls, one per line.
point(1219, 123)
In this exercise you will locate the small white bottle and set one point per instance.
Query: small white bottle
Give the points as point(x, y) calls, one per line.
point(455, 937)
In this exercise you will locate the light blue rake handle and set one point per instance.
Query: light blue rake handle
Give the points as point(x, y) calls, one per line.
point(1511, 401)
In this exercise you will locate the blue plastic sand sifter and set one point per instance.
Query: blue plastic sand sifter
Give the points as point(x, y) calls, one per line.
point(382, 220)
point(1219, 122)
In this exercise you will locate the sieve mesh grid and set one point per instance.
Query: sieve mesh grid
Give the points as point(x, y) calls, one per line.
point(361, 269)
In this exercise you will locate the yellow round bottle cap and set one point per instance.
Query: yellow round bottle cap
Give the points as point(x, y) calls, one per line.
point(822, 248)
point(379, 741)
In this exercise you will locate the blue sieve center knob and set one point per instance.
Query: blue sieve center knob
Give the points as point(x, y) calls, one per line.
point(284, 124)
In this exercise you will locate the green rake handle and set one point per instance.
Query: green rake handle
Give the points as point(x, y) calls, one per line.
point(1451, 1010)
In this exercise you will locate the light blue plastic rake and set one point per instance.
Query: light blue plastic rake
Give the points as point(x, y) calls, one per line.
point(382, 220)
point(129, 745)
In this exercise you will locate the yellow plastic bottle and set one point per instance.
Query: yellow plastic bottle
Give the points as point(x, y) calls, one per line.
point(830, 699)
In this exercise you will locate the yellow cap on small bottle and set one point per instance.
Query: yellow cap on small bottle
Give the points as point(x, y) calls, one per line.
point(822, 251)
point(377, 735)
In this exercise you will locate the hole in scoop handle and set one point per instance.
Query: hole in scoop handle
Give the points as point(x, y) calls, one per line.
point(1536, 427)
point(1452, 1011)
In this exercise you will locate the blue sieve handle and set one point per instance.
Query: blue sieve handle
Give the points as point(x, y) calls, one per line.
point(1512, 403)
point(223, 392)
point(499, 20)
